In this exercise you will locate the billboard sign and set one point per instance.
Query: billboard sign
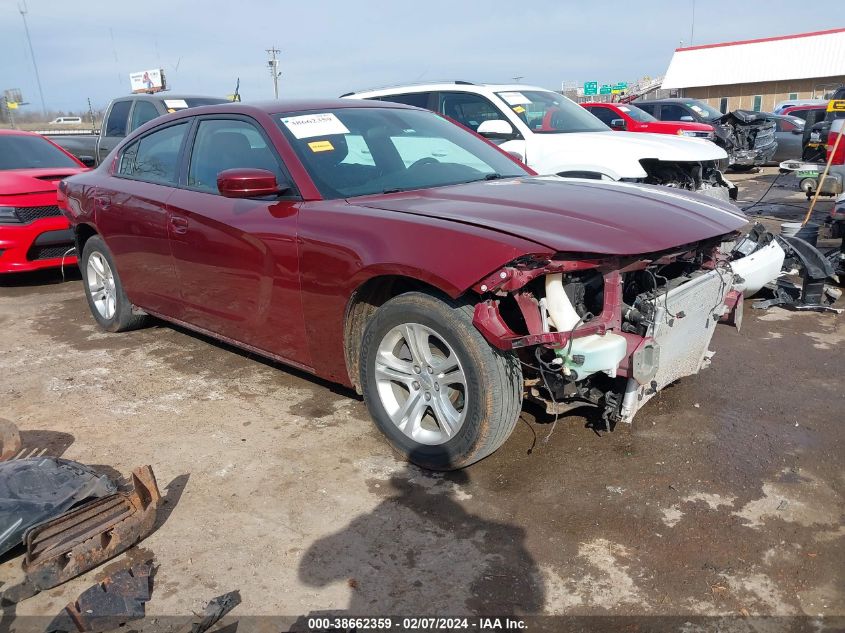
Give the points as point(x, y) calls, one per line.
point(13, 95)
point(147, 81)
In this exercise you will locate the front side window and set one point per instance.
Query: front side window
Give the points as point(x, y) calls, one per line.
point(22, 151)
point(647, 107)
point(673, 112)
point(143, 112)
point(605, 115)
point(546, 112)
point(362, 151)
point(223, 144)
point(470, 110)
point(155, 157)
point(118, 116)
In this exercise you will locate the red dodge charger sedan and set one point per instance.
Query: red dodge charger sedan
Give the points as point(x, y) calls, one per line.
point(381, 246)
point(33, 232)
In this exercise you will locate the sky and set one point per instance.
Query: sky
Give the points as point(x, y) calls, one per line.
point(87, 49)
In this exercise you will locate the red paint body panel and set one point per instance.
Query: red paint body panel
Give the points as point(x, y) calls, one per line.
point(277, 276)
point(652, 127)
point(31, 188)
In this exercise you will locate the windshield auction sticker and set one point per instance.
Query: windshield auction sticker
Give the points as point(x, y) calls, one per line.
point(175, 104)
point(515, 98)
point(311, 125)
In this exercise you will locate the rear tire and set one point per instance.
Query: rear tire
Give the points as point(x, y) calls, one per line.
point(106, 298)
point(453, 400)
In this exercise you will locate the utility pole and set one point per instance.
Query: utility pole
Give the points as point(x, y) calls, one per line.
point(23, 11)
point(273, 66)
point(692, 26)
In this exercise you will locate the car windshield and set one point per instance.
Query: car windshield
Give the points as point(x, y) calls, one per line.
point(703, 110)
point(361, 151)
point(637, 114)
point(19, 151)
point(546, 112)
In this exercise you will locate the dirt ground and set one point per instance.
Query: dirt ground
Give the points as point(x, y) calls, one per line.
point(725, 496)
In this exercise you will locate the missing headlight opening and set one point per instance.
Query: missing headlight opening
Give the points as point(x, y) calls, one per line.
point(609, 332)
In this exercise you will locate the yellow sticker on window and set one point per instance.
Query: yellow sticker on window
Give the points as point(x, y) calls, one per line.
point(321, 146)
point(519, 109)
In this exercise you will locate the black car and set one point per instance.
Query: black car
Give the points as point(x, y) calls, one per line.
point(748, 137)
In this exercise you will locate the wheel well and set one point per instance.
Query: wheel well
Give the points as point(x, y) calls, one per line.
point(366, 299)
point(82, 233)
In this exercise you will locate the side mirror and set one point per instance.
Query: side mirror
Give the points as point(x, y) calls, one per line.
point(798, 130)
point(496, 129)
point(88, 161)
point(618, 124)
point(687, 119)
point(249, 183)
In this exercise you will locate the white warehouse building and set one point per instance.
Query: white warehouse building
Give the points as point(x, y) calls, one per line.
point(756, 74)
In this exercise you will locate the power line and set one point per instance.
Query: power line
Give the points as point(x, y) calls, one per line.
point(23, 11)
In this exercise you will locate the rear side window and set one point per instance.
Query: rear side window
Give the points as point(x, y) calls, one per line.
point(118, 116)
point(155, 157)
point(143, 112)
point(417, 99)
point(228, 144)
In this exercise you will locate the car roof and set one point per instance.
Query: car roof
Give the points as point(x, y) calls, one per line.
point(18, 132)
point(461, 86)
point(274, 108)
point(666, 100)
point(165, 95)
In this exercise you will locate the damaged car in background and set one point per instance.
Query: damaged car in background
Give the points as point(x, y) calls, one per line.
point(554, 135)
point(382, 247)
point(747, 137)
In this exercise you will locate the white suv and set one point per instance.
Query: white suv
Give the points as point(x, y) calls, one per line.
point(554, 135)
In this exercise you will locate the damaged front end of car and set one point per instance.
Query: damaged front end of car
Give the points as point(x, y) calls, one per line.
point(611, 331)
point(702, 177)
point(748, 137)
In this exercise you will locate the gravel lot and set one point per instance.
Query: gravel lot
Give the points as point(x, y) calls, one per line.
point(725, 497)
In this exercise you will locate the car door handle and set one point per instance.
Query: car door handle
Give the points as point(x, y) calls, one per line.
point(179, 224)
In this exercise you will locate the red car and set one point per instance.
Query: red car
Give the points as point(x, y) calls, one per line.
point(33, 232)
point(624, 116)
point(801, 110)
point(380, 246)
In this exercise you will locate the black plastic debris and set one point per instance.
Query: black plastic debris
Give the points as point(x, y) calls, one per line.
point(37, 489)
point(120, 598)
point(214, 611)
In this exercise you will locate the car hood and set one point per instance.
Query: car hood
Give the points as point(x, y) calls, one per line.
point(615, 154)
point(563, 214)
point(20, 181)
point(671, 126)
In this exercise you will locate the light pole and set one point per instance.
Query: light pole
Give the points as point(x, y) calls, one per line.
point(273, 66)
point(23, 11)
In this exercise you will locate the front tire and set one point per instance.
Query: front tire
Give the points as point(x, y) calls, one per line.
point(440, 393)
point(106, 298)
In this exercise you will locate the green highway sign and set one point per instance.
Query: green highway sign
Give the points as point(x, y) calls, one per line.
point(606, 89)
point(591, 87)
point(621, 86)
